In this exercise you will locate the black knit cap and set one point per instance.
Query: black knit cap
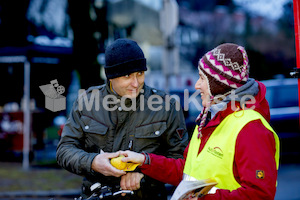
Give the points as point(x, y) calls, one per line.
point(122, 57)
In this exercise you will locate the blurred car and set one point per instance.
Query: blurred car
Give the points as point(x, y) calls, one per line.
point(282, 95)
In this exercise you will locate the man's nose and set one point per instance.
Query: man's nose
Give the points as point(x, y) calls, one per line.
point(134, 82)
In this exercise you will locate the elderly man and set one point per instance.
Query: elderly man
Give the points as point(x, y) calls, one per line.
point(123, 114)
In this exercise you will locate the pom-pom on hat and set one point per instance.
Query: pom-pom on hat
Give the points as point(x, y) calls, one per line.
point(226, 67)
point(122, 57)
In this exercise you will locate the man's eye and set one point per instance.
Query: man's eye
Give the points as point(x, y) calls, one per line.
point(140, 73)
point(127, 75)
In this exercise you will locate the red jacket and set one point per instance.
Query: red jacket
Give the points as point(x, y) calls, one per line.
point(255, 150)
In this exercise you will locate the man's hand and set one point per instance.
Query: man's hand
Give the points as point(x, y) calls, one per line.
point(131, 156)
point(131, 181)
point(101, 164)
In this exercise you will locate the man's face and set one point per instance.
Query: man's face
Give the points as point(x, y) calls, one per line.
point(129, 85)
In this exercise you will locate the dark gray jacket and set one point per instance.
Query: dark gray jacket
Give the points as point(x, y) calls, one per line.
point(158, 128)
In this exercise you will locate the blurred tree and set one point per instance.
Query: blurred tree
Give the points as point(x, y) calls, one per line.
point(13, 23)
point(48, 18)
point(286, 22)
point(200, 5)
point(273, 40)
point(88, 21)
point(270, 43)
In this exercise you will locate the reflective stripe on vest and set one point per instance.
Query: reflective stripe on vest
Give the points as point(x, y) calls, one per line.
point(217, 157)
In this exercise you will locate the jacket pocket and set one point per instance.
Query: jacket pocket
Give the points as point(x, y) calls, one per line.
point(148, 137)
point(93, 126)
point(95, 134)
point(152, 130)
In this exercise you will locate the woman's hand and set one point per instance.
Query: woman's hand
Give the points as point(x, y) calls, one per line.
point(131, 156)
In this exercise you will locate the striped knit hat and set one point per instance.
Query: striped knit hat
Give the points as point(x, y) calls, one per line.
point(225, 68)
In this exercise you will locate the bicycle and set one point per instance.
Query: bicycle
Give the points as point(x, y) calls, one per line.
point(104, 192)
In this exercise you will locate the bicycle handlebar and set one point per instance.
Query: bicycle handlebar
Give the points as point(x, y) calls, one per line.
point(102, 192)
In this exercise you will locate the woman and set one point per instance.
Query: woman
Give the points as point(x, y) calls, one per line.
point(233, 142)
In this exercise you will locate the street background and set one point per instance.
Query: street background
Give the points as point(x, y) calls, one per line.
point(62, 42)
point(46, 183)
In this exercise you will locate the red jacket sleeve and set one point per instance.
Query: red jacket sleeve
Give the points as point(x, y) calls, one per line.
point(254, 155)
point(166, 170)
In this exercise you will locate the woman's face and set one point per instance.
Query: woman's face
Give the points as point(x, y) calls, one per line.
point(202, 85)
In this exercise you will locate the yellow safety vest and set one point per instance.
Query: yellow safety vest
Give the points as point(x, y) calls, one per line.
point(217, 157)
